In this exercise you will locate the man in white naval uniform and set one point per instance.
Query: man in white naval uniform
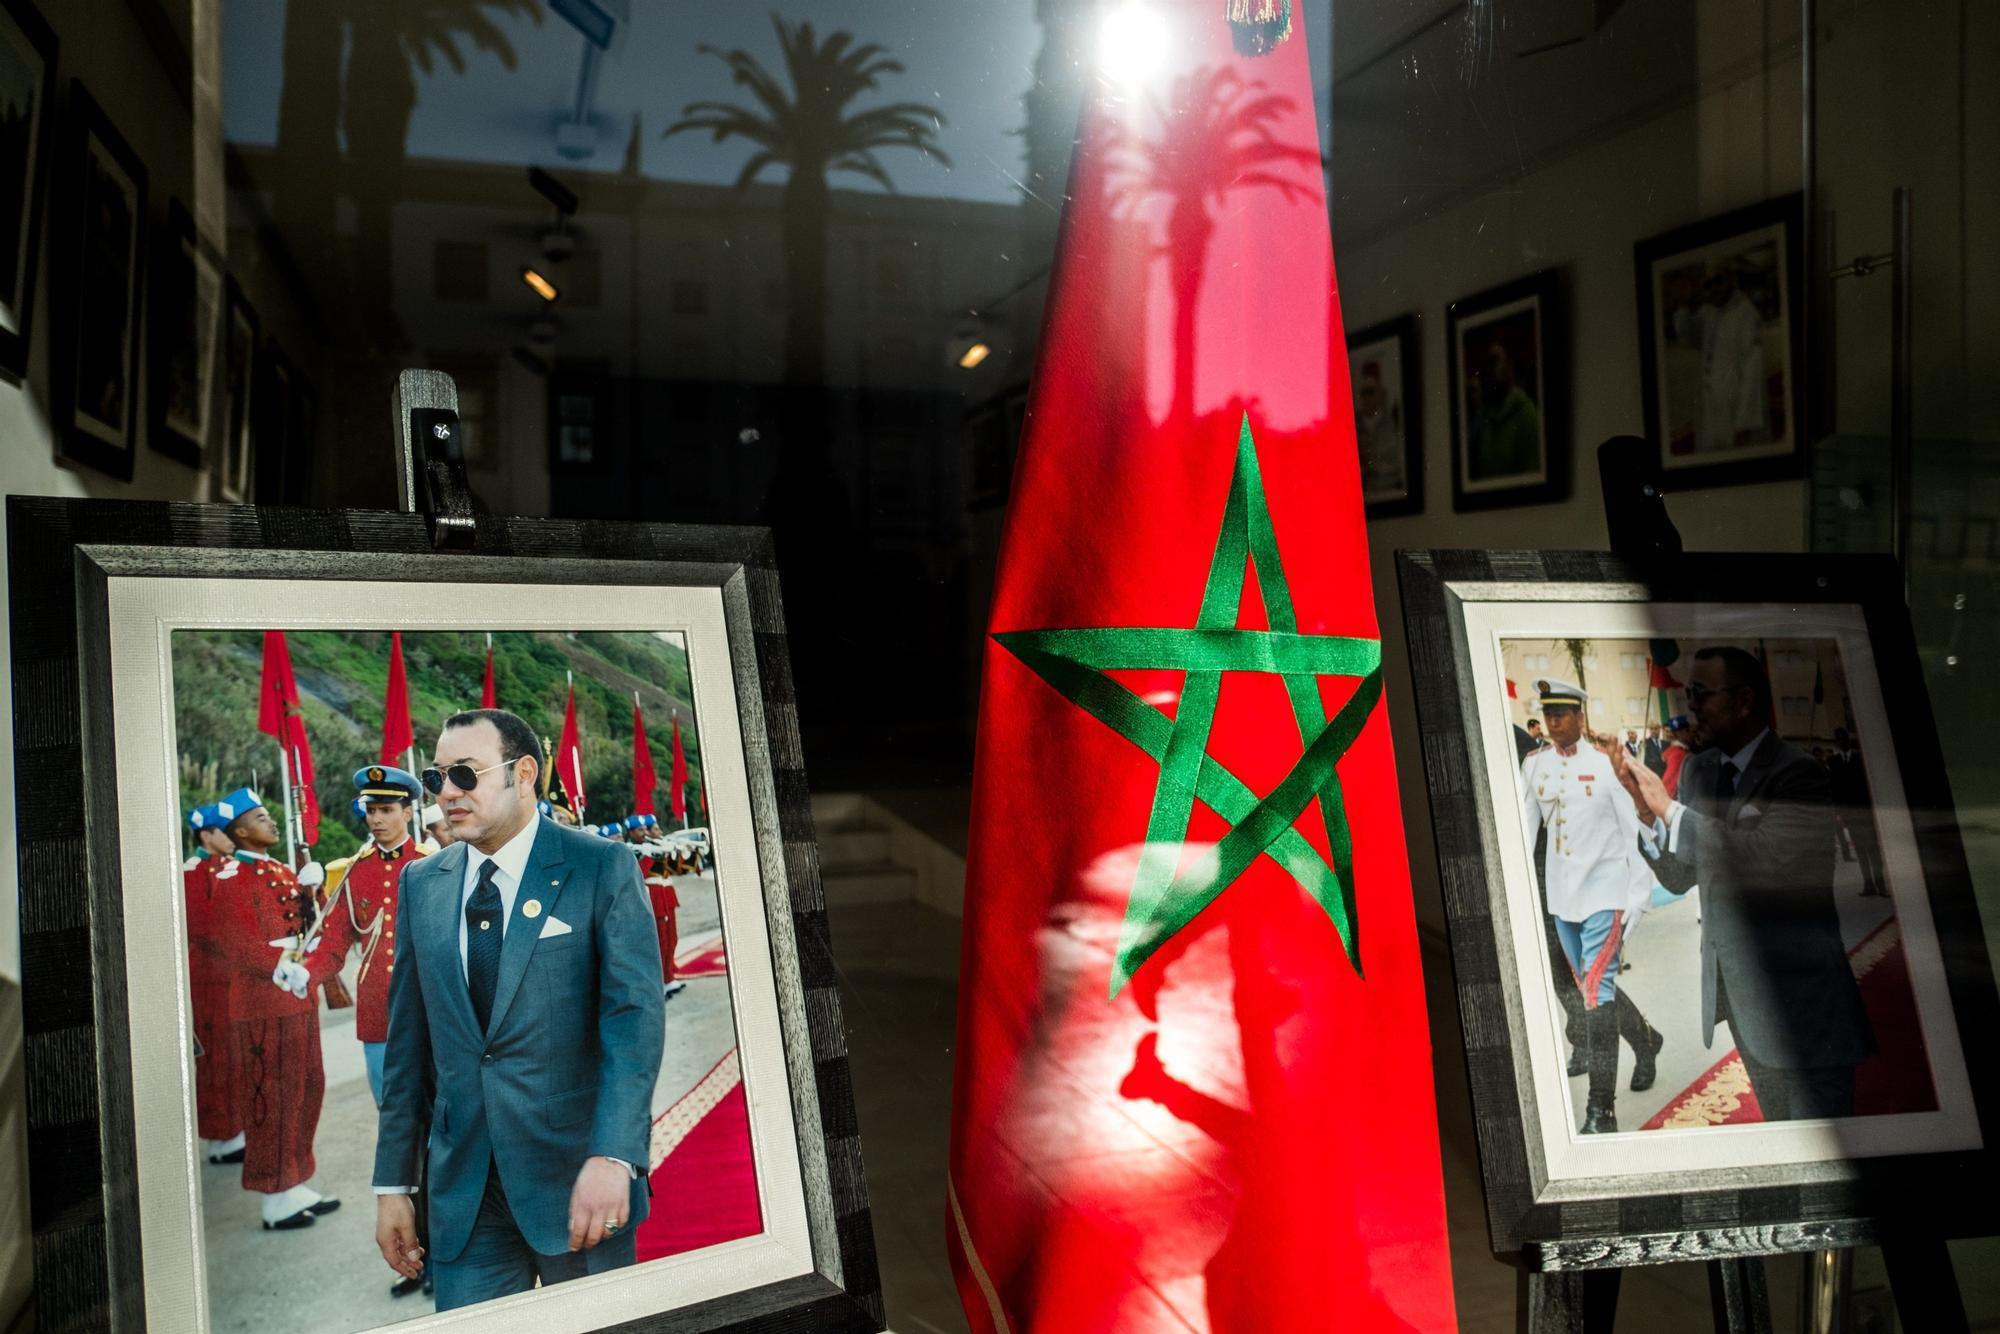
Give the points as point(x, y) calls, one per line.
point(1595, 881)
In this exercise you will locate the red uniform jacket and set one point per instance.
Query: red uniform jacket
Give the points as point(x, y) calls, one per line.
point(255, 903)
point(363, 912)
point(207, 982)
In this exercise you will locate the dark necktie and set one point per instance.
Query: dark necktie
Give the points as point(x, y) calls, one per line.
point(1725, 786)
point(482, 944)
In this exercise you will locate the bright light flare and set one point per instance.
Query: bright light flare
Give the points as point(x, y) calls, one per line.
point(541, 286)
point(973, 355)
point(1133, 43)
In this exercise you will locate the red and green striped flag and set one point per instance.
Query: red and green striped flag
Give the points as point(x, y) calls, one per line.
point(1193, 1083)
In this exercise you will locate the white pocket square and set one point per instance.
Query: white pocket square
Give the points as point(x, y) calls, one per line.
point(555, 926)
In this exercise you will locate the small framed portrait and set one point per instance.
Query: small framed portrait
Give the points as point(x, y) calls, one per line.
point(98, 295)
point(186, 312)
point(441, 932)
point(236, 466)
point(1719, 348)
point(1388, 417)
point(1508, 355)
point(1720, 965)
point(27, 72)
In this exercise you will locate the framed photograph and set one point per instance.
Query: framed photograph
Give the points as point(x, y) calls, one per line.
point(280, 1026)
point(1719, 348)
point(187, 301)
point(1509, 356)
point(1388, 417)
point(97, 298)
point(27, 72)
point(236, 470)
point(1721, 975)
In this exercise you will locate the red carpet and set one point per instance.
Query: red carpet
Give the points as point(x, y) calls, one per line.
point(704, 1183)
point(706, 960)
point(1896, 1078)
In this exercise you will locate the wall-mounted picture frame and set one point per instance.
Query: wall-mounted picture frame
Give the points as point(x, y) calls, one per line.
point(1744, 1019)
point(1508, 353)
point(1383, 369)
point(27, 74)
point(1720, 347)
point(187, 306)
point(235, 470)
point(115, 606)
point(97, 300)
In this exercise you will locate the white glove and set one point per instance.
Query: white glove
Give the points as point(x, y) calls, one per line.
point(291, 976)
point(312, 875)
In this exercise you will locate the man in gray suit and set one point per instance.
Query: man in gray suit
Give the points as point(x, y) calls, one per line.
point(525, 1035)
point(1754, 828)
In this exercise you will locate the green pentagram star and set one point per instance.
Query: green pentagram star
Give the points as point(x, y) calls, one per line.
point(1074, 662)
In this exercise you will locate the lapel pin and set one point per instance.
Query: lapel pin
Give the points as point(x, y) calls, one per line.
point(532, 908)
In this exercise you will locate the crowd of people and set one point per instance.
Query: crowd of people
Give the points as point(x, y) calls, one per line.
point(1713, 803)
point(269, 942)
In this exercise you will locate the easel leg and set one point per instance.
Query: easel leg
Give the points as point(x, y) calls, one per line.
point(1567, 1302)
point(1924, 1286)
point(1737, 1293)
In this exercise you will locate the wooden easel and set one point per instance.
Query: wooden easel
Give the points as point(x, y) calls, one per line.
point(1573, 1288)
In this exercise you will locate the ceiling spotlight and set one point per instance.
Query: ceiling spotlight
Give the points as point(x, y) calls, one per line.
point(973, 355)
point(541, 286)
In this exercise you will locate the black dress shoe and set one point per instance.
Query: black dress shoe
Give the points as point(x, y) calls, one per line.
point(303, 1218)
point(1644, 1070)
point(327, 1205)
point(403, 1287)
point(233, 1156)
point(1600, 1121)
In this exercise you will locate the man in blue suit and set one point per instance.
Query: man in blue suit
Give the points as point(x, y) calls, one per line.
point(525, 1034)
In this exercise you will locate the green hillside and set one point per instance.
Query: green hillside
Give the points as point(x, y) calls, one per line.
point(343, 677)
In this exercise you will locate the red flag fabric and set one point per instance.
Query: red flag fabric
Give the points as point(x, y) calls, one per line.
point(1659, 678)
point(678, 797)
point(1193, 1079)
point(282, 717)
point(569, 754)
point(398, 734)
point(489, 698)
point(644, 777)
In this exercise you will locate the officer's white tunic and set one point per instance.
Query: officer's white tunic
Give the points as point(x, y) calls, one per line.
point(1594, 862)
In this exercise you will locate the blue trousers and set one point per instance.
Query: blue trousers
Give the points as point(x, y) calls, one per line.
point(1592, 947)
point(498, 1262)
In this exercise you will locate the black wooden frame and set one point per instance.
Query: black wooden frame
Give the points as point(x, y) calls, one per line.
point(1771, 1208)
point(14, 345)
point(174, 245)
point(1787, 211)
point(1547, 288)
point(1404, 330)
point(60, 553)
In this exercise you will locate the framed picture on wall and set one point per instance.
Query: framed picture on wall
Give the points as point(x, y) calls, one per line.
point(1507, 349)
point(1720, 965)
point(97, 299)
point(235, 468)
point(1719, 347)
point(27, 72)
point(145, 636)
point(1388, 416)
point(186, 306)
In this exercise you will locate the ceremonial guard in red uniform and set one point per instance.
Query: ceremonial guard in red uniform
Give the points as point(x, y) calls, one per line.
point(653, 865)
point(215, 1112)
point(262, 917)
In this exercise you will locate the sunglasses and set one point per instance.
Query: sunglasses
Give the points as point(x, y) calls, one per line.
point(463, 776)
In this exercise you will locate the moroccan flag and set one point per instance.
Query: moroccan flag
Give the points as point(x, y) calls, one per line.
point(281, 717)
point(678, 797)
point(569, 754)
point(644, 777)
point(397, 733)
point(489, 698)
point(1193, 1073)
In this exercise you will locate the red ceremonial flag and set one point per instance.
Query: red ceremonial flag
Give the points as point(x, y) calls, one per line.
point(1659, 678)
point(488, 697)
point(398, 735)
point(678, 797)
point(1193, 1072)
point(644, 777)
point(569, 754)
point(281, 717)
